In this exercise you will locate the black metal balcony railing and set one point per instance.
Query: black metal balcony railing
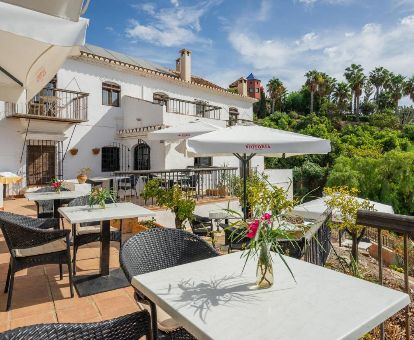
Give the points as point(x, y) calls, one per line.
point(197, 183)
point(198, 109)
point(52, 104)
point(401, 225)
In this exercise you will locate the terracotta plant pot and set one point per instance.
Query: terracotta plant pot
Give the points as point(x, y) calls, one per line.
point(82, 179)
point(73, 151)
point(96, 151)
point(222, 192)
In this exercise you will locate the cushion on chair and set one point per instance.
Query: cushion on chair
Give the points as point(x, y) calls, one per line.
point(51, 247)
point(91, 229)
point(165, 322)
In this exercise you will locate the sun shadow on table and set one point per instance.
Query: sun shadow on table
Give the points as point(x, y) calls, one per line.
point(228, 290)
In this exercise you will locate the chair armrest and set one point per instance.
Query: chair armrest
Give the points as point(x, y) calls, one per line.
point(47, 223)
point(24, 237)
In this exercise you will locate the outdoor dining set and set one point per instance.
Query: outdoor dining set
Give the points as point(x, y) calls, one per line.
point(184, 289)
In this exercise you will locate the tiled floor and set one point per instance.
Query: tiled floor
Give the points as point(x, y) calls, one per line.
point(39, 296)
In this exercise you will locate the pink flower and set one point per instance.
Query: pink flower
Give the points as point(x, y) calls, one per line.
point(253, 229)
point(266, 217)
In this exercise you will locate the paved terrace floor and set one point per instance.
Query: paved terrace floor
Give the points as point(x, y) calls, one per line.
point(39, 296)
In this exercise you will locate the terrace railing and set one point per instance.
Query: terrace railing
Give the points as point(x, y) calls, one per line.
point(192, 108)
point(197, 183)
point(402, 225)
point(52, 104)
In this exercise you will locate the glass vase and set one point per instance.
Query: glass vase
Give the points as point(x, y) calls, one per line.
point(264, 271)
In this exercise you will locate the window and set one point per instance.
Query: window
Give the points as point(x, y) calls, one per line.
point(202, 162)
point(257, 90)
point(110, 94)
point(110, 159)
point(233, 116)
point(142, 156)
point(200, 108)
point(251, 89)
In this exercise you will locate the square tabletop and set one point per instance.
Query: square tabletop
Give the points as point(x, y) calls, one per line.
point(53, 195)
point(214, 299)
point(84, 214)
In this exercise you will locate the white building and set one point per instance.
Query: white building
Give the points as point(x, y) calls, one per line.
point(98, 110)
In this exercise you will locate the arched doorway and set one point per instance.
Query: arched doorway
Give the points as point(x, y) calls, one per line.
point(142, 156)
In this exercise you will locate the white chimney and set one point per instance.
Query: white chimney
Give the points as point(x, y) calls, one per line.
point(178, 65)
point(185, 65)
point(242, 87)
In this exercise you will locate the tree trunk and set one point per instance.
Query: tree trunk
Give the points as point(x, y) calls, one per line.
point(273, 105)
point(311, 105)
point(354, 250)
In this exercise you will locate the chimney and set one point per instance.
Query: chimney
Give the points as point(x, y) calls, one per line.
point(178, 65)
point(242, 87)
point(185, 65)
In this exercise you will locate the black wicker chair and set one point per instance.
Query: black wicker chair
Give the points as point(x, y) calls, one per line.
point(162, 248)
point(201, 226)
point(128, 327)
point(89, 232)
point(33, 242)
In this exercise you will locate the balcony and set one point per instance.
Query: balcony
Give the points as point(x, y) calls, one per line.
point(192, 108)
point(53, 105)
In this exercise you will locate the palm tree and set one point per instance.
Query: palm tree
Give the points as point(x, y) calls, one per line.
point(409, 88)
point(368, 90)
point(356, 79)
point(378, 77)
point(277, 91)
point(396, 87)
point(342, 95)
point(314, 79)
point(327, 86)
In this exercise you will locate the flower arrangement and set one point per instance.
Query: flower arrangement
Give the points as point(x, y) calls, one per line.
point(268, 204)
point(101, 196)
point(56, 184)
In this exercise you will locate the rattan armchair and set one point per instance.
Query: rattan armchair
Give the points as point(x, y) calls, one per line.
point(89, 232)
point(128, 327)
point(33, 242)
point(157, 249)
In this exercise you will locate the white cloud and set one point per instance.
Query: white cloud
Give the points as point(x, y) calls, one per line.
point(173, 26)
point(330, 2)
point(402, 6)
point(328, 51)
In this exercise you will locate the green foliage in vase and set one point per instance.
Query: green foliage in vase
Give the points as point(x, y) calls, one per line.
point(101, 196)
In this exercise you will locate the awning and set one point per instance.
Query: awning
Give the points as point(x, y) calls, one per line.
point(34, 45)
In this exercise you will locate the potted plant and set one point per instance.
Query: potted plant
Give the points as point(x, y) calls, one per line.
point(56, 184)
point(175, 200)
point(73, 151)
point(83, 175)
point(101, 196)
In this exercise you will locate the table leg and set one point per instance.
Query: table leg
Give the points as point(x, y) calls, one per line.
point(154, 324)
point(56, 206)
point(105, 245)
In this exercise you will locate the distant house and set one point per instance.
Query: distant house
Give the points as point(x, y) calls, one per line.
point(249, 86)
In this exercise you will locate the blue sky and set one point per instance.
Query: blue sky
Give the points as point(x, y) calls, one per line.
point(282, 38)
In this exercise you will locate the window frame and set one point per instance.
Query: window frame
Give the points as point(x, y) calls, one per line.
point(111, 88)
point(108, 164)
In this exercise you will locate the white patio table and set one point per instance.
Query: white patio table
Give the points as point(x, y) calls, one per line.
point(105, 280)
point(214, 299)
point(56, 197)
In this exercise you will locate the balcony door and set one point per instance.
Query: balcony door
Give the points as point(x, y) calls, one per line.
point(142, 156)
point(41, 163)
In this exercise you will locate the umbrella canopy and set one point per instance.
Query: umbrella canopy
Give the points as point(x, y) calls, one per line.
point(315, 209)
point(259, 140)
point(183, 131)
point(246, 141)
point(33, 47)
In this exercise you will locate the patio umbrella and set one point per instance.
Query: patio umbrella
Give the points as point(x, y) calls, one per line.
point(183, 131)
point(35, 42)
point(247, 141)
